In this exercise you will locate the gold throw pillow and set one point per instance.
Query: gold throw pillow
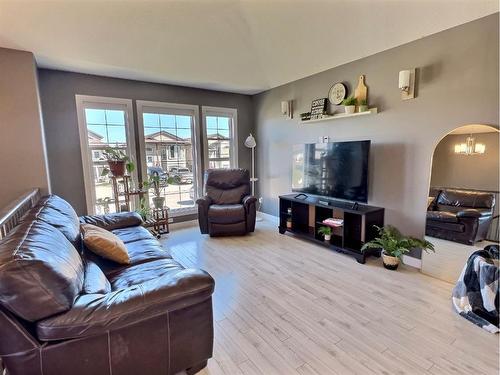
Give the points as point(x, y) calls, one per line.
point(104, 243)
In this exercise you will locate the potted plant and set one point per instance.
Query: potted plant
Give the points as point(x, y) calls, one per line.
point(394, 245)
point(326, 232)
point(118, 161)
point(154, 182)
point(350, 104)
point(143, 209)
point(362, 105)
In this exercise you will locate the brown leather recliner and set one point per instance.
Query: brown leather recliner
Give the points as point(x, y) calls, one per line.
point(462, 216)
point(64, 310)
point(227, 207)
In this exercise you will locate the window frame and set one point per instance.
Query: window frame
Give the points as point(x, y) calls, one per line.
point(232, 113)
point(101, 102)
point(173, 109)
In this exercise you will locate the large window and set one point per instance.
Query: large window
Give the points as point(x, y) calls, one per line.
point(103, 122)
point(220, 137)
point(169, 148)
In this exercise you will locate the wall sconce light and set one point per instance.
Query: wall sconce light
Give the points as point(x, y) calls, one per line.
point(407, 84)
point(470, 147)
point(287, 108)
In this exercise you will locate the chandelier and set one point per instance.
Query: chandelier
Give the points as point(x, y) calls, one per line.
point(470, 147)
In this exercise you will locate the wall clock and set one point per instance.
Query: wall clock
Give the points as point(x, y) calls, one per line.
point(337, 93)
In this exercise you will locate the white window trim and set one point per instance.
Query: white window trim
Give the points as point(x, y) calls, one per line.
point(176, 109)
point(101, 102)
point(233, 132)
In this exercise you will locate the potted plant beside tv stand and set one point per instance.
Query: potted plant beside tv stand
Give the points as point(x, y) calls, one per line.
point(306, 214)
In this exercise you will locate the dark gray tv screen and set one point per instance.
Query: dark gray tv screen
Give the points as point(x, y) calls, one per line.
point(336, 169)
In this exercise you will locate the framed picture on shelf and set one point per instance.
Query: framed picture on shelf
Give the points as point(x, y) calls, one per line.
point(318, 108)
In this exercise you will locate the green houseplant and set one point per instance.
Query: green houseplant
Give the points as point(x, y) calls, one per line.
point(394, 245)
point(326, 232)
point(362, 105)
point(143, 209)
point(118, 161)
point(349, 104)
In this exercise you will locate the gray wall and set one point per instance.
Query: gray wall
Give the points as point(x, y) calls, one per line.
point(457, 85)
point(58, 90)
point(22, 150)
point(479, 172)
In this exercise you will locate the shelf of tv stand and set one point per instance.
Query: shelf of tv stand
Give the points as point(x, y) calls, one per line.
point(357, 228)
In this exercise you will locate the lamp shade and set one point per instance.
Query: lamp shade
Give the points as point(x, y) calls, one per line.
point(250, 141)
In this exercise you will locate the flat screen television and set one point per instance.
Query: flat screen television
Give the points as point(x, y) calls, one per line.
point(336, 169)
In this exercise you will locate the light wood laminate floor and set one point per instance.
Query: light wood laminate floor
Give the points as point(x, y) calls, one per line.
point(286, 306)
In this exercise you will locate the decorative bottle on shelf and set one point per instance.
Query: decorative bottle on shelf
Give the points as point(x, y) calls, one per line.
point(289, 210)
point(289, 223)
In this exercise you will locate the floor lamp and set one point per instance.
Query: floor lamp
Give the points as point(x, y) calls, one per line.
point(250, 143)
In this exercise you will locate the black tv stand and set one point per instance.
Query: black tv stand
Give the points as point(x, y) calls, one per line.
point(301, 196)
point(306, 218)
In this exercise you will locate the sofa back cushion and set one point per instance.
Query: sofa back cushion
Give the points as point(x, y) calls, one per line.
point(227, 186)
point(464, 199)
point(57, 212)
point(41, 272)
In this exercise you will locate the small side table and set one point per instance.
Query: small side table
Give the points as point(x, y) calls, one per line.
point(158, 223)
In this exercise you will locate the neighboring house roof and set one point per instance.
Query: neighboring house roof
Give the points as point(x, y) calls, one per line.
point(217, 136)
point(94, 137)
point(164, 136)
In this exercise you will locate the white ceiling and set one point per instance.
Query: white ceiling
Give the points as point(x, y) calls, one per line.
point(239, 46)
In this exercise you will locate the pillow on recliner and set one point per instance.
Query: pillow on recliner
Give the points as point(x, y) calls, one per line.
point(104, 243)
point(227, 196)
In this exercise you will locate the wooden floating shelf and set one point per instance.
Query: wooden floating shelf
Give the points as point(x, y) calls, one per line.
point(371, 111)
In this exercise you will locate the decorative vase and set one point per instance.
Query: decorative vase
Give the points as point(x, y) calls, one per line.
point(328, 237)
point(158, 202)
point(349, 109)
point(363, 108)
point(391, 263)
point(117, 167)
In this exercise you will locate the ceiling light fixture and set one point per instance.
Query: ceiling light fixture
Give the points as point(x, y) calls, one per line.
point(470, 147)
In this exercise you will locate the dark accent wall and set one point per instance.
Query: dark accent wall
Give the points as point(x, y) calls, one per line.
point(58, 90)
point(457, 85)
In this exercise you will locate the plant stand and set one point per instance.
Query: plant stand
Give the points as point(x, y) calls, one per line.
point(121, 188)
point(158, 223)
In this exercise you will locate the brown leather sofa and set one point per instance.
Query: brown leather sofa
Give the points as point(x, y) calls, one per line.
point(64, 310)
point(462, 216)
point(227, 207)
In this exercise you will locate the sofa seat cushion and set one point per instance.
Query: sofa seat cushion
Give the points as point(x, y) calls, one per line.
point(93, 314)
point(143, 272)
point(226, 213)
point(41, 272)
point(442, 216)
point(132, 234)
point(443, 225)
point(141, 251)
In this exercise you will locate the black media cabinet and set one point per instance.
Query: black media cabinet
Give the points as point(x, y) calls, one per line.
point(307, 213)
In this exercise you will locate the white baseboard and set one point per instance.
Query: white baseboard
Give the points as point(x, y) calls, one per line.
point(412, 262)
point(268, 217)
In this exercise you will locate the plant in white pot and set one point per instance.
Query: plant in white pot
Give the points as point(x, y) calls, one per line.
point(350, 104)
point(362, 105)
point(394, 245)
point(326, 232)
point(154, 183)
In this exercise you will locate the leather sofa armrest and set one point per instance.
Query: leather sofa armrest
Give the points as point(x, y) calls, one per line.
point(94, 314)
point(472, 213)
point(251, 211)
point(203, 206)
point(113, 221)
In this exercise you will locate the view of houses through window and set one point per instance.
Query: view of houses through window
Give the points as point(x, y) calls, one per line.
point(168, 141)
point(218, 141)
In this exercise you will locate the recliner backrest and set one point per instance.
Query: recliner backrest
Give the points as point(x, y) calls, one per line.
point(227, 186)
point(464, 199)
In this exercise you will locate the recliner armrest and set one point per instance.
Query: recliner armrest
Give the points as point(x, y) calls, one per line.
point(473, 213)
point(113, 221)
point(204, 201)
point(248, 200)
